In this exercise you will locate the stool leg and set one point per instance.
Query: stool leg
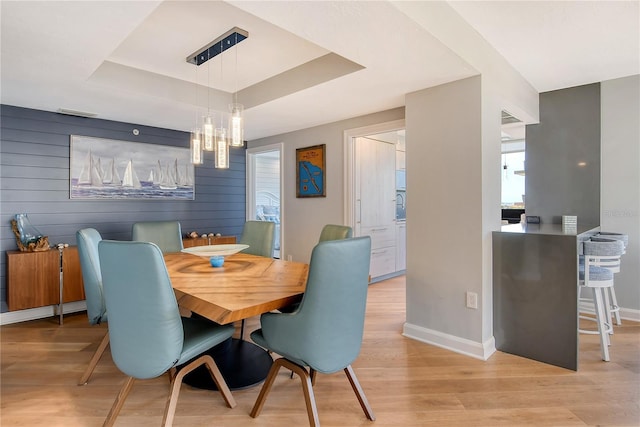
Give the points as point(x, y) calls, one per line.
point(614, 304)
point(607, 308)
point(602, 329)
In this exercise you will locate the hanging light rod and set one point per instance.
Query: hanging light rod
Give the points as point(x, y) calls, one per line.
point(228, 39)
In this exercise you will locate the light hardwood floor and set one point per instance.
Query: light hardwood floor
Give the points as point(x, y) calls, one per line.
point(408, 383)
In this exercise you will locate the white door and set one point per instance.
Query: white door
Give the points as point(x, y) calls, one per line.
point(264, 187)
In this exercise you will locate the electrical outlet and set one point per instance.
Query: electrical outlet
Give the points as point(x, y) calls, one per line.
point(472, 300)
point(289, 258)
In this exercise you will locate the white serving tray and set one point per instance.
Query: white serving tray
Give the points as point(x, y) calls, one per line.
point(213, 250)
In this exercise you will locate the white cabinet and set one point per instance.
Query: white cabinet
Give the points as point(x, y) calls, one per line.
point(375, 196)
point(401, 227)
point(401, 246)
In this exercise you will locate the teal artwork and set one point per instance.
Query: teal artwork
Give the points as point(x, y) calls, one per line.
point(310, 171)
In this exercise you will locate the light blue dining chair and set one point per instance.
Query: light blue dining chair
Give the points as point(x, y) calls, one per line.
point(260, 236)
point(329, 232)
point(87, 240)
point(325, 334)
point(335, 232)
point(166, 234)
point(148, 336)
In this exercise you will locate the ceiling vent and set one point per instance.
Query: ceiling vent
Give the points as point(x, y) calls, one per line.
point(77, 113)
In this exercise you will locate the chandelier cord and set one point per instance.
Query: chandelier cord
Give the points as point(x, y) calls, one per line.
point(235, 48)
point(208, 84)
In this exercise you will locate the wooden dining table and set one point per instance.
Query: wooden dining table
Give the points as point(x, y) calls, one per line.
point(245, 286)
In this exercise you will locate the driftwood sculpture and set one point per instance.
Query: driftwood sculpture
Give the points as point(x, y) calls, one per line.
point(42, 244)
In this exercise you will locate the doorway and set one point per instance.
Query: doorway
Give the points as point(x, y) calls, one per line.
point(375, 194)
point(264, 187)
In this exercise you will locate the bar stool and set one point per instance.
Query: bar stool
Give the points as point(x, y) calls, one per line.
point(594, 276)
point(614, 266)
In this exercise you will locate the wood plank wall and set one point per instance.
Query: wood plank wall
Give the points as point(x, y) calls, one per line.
point(34, 179)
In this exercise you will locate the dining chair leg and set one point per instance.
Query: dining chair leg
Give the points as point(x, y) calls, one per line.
point(172, 400)
point(312, 410)
point(313, 373)
point(172, 375)
point(94, 360)
point(219, 380)
point(364, 403)
point(176, 384)
point(117, 404)
point(313, 376)
point(310, 400)
point(266, 387)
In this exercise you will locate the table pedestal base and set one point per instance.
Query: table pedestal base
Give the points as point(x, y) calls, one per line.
point(242, 364)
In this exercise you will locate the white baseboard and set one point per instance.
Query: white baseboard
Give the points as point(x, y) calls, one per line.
point(40, 312)
point(625, 313)
point(456, 344)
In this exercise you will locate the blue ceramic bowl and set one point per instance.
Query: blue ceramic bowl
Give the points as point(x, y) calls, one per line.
point(216, 261)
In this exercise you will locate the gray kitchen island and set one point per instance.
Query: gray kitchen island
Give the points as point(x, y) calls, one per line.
point(535, 291)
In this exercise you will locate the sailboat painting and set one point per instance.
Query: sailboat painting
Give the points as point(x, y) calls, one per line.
point(111, 169)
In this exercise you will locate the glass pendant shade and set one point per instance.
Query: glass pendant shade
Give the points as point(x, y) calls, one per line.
point(236, 131)
point(207, 131)
point(222, 149)
point(196, 147)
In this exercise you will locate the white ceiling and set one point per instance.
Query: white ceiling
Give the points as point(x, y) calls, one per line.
point(305, 63)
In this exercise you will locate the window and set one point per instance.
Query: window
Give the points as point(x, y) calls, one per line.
point(513, 180)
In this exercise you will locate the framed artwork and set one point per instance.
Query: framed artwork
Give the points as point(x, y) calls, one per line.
point(111, 169)
point(310, 171)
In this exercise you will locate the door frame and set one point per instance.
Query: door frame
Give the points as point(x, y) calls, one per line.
point(350, 202)
point(250, 199)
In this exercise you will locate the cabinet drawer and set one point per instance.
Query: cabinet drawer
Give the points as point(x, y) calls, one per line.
point(381, 236)
point(383, 261)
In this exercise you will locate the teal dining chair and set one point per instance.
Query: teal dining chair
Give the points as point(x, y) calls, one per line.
point(329, 232)
point(87, 240)
point(166, 234)
point(335, 232)
point(325, 334)
point(260, 236)
point(148, 336)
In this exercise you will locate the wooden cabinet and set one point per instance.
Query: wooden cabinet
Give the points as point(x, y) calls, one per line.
point(189, 242)
point(33, 278)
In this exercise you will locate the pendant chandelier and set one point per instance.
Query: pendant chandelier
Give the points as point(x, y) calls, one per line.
point(208, 137)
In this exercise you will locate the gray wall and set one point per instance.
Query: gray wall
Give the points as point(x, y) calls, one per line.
point(444, 216)
point(563, 156)
point(34, 174)
point(302, 219)
point(621, 182)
